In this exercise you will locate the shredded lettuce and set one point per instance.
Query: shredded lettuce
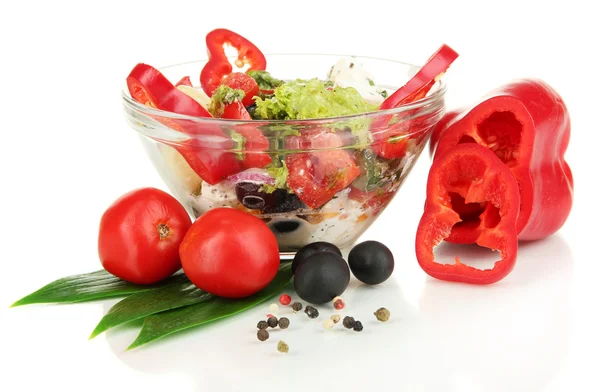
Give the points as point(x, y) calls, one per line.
point(223, 96)
point(264, 80)
point(280, 174)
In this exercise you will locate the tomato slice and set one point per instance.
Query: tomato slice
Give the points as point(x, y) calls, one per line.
point(241, 81)
point(218, 65)
point(314, 139)
point(316, 177)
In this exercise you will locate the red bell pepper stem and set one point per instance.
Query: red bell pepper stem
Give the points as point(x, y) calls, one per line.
point(218, 65)
point(527, 125)
point(420, 84)
point(471, 175)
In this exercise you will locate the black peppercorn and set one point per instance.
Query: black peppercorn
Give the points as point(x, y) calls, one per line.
point(262, 324)
point(284, 322)
point(358, 326)
point(348, 322)
point(297, 306)
point(262, 335)
point(311, 312)
point(272, 321)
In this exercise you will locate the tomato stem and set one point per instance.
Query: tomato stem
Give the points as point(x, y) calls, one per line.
point(163, 231)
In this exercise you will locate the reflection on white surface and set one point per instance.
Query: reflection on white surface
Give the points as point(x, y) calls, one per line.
point(511, 336)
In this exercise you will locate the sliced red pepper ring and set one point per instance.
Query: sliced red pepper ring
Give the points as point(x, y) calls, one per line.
point(212, 165)
point(526, 124)
point(472, 176)
point(218, 65)
point(317, 176)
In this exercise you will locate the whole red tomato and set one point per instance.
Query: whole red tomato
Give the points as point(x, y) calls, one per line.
point(229, 253)
point(140, 235)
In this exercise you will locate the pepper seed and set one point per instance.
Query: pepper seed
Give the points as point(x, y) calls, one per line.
point(358, 326)
point(282, 347)
point(272, 321)
point(335, 318)
point(284, 322)
point(311, 312)
point(262, 324)
point(262, 335)
point(382, 314)
point(349, 322)
point(297, 306)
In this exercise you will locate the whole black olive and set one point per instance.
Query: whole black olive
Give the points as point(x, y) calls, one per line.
point(321, 277)
point(371, 262)
point(310, 249)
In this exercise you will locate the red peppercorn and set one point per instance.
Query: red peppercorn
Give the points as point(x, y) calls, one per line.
point(285, 299)
point(339, 304)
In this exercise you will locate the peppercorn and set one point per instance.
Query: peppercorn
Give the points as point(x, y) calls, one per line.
point(262, 324)
point(382, 314)
point(311, 312)
point(358, 326)
point(262, 335)
point(284, 322)
point(273, 308)
point(335, 318)
point(328, 324)
point(339, 304)
point(282, 347)
point(297, 306)
point(285, 299)
point(272, 321)
point(349, 322)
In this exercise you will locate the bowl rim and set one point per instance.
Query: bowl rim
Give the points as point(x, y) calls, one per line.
point(436, 96)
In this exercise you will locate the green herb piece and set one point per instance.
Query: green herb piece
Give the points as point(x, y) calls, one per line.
point(383, 93)
point(167, 323)
point(144, 304)
point(264, 80)
point(223, 96)
point(280, 174)
point(85, 287)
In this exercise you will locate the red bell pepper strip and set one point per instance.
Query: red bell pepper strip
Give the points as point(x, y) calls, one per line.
point(207, 156)
point(185, 81)
point(420, 84)
point(218, 65)
point(255, 142)
point(527, 125)
point(387, 143)
point(473, 175)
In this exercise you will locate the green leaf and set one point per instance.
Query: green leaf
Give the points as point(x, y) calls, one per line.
point(85, 287)
point(167, 323)
point(146, 303)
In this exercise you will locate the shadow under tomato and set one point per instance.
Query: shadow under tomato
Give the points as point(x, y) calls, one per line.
point(512, 335)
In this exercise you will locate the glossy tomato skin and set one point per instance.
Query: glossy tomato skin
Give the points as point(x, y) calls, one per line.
point(229, 253)
point(140, 234)
point(241, 81)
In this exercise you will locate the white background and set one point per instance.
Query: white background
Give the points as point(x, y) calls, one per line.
point(66, 153)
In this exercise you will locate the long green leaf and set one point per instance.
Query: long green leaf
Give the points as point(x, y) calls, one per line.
point(146, 303)
point(85, 287)
point(163, 324)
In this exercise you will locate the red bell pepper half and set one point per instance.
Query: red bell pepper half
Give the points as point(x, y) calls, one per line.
point(218, 65)
point(388, 142)
point(206, 152)
point(527, 125)
point(473, 176)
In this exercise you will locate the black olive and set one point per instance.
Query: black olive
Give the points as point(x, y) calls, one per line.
point(310, 249)
point(249, 194)
point(321, 277)
point(286, 202)
point(285, 226)
point(371, 262)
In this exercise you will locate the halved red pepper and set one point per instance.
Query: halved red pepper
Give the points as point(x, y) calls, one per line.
point(387, 143)
point(527, 125)
point(218, 65)
point(206, 152)
point(469, 174)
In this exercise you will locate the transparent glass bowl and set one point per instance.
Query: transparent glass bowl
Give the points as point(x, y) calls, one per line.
point(375, 151)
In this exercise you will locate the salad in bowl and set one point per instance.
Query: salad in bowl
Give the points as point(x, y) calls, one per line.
point(314, 145)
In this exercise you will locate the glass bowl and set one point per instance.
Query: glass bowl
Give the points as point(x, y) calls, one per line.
point(339, 174)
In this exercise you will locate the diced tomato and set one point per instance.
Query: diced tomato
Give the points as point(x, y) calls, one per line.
point(235, 111)
point(316, 177)
point(314, 139)
point(255, 143)
point(376, 199)
point(241, 81)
